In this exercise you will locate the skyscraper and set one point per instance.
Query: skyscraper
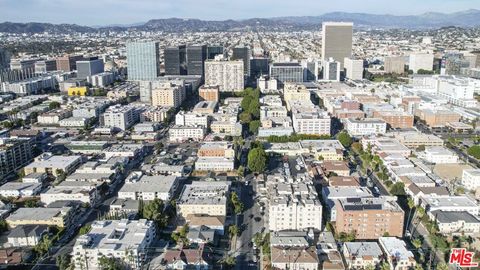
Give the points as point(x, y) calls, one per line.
point(331, 70)
point(353, 68)
point(258, 67)
point(68, 62)
point(176, 60)
point(242, 53)
point(143, 60)
point(213, 51)
point(196, 56)
point(89, 67)
point(337, 41)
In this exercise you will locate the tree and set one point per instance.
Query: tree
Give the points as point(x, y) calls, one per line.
point(30, 203)
point(410, 203)
point(63, 261)
point(474, 151)
point(237, 204)
point(43, 245)
point(385, 266)
point(180, 237)
point(154, 211)
point(258, 239)
point(105, 263)
point(254, 108)
point(228, 262)
point(233, 230)
point(442, 266)
point(417, 243)
point(257, 160)
point(345, 139)
point(398, 189)
point(3, 226)
point(347, 237)
point(421, 148)
point(53, 105)
point(84, 229)
point(254, 126)
point(245, 117)
point(241, 171)
point(356, 147)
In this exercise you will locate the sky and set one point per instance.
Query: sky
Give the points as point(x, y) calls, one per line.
point(108, 12)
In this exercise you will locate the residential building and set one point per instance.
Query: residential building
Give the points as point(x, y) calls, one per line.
point(83, 192)
point(361, 255)
point(294, 258)
point(26, 235)
point(397, 254)
point(394, 65)
point(323, 149)
point(184, 133)
point(354, 68)
point(365, 127)
point(54, 165)
point(125, 240)
point(203, 198)
point(331, 70)
point(242, 53)
point(14, 154)
point(439, 155)
point(205, 107)
point(337, 41)
point(169, 94)
point(120, 117)
point(395, 119)
point(50, 216)
point(471, 179)
point(143, 60)
point(450, 204)
point(456, 223)
point(147, 188)
point(369, 218)
point(226, 127)
point(191, 119)
point(228, 75)
point(420, 61)
point(20, 189)
point(311, 121)
point(216, 164)
point(209, 93)
point(437, 117)
point(295, 212)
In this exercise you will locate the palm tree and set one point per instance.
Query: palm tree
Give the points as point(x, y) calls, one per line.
point(417, 243)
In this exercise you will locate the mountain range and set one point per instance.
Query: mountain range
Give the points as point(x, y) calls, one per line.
point(468, 18)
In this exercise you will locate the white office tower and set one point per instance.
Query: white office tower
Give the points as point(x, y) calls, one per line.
point(337, 41)
point(353, 68)
point(331, 70)
point(228, 75)
point(421, 61)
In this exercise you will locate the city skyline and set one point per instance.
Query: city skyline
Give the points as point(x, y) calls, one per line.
point(108, 12)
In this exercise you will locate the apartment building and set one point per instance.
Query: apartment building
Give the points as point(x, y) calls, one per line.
point(365, 127)
point(61, 217)
point(362, 255)
point(415, 139)
point(14, 154)
point(369, 218)
point(471, 179)
point(154, 114)
point(184, 133)
point(438, 117)
point(125, 240)
point(54, 165)
point(395, 119)
point(147, 188)
point(205, 107)
point(209, 93)
point(120, 117)
point(226, 127)
point(227, 75)
point(168, 94)
point(20, 189)
point(457, 223)
point(311, 120)
point(295, 91)
point(191, 119)
point(83, 192)
point(353, 68)
point(204, 198)
point(439, 155)
point(397, 253)
point(216, 149)
point(394, 64)
point(295, 212)
point(216, 164)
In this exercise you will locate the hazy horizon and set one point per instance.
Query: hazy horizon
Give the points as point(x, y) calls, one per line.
point(111, 12)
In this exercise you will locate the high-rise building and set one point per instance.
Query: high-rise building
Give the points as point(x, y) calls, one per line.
point(209, 93)
point(22, 64)
point(242, 53)
point(286, 72)
point(88, 67)
point(420, 61)
point(213, 51)
point(120, 117)
point(337, 41)
point(394, 65)
point(14, 154)
point(258, 67)
point(143, 60)
point(311, 71)
point(68, 62)
point(44, 66)
point(353, 68)
point(176, 60)
point(4, 59)
point(169, 94)
point(331, 70)
point(196, 56)
point(228, 75)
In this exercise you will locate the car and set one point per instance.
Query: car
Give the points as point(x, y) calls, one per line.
point(250, 216)
point(257, 219)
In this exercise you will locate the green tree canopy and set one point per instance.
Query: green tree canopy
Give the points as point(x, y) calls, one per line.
point(474, 151)
point(345, 139)
point(254, 126)
point(257, 160)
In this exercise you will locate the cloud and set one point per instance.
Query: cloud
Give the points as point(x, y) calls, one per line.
point(101, 12)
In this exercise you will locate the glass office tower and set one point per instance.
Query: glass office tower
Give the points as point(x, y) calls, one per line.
point(143, 60)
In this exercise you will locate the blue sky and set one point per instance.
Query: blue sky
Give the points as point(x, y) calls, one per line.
point(103, 12)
